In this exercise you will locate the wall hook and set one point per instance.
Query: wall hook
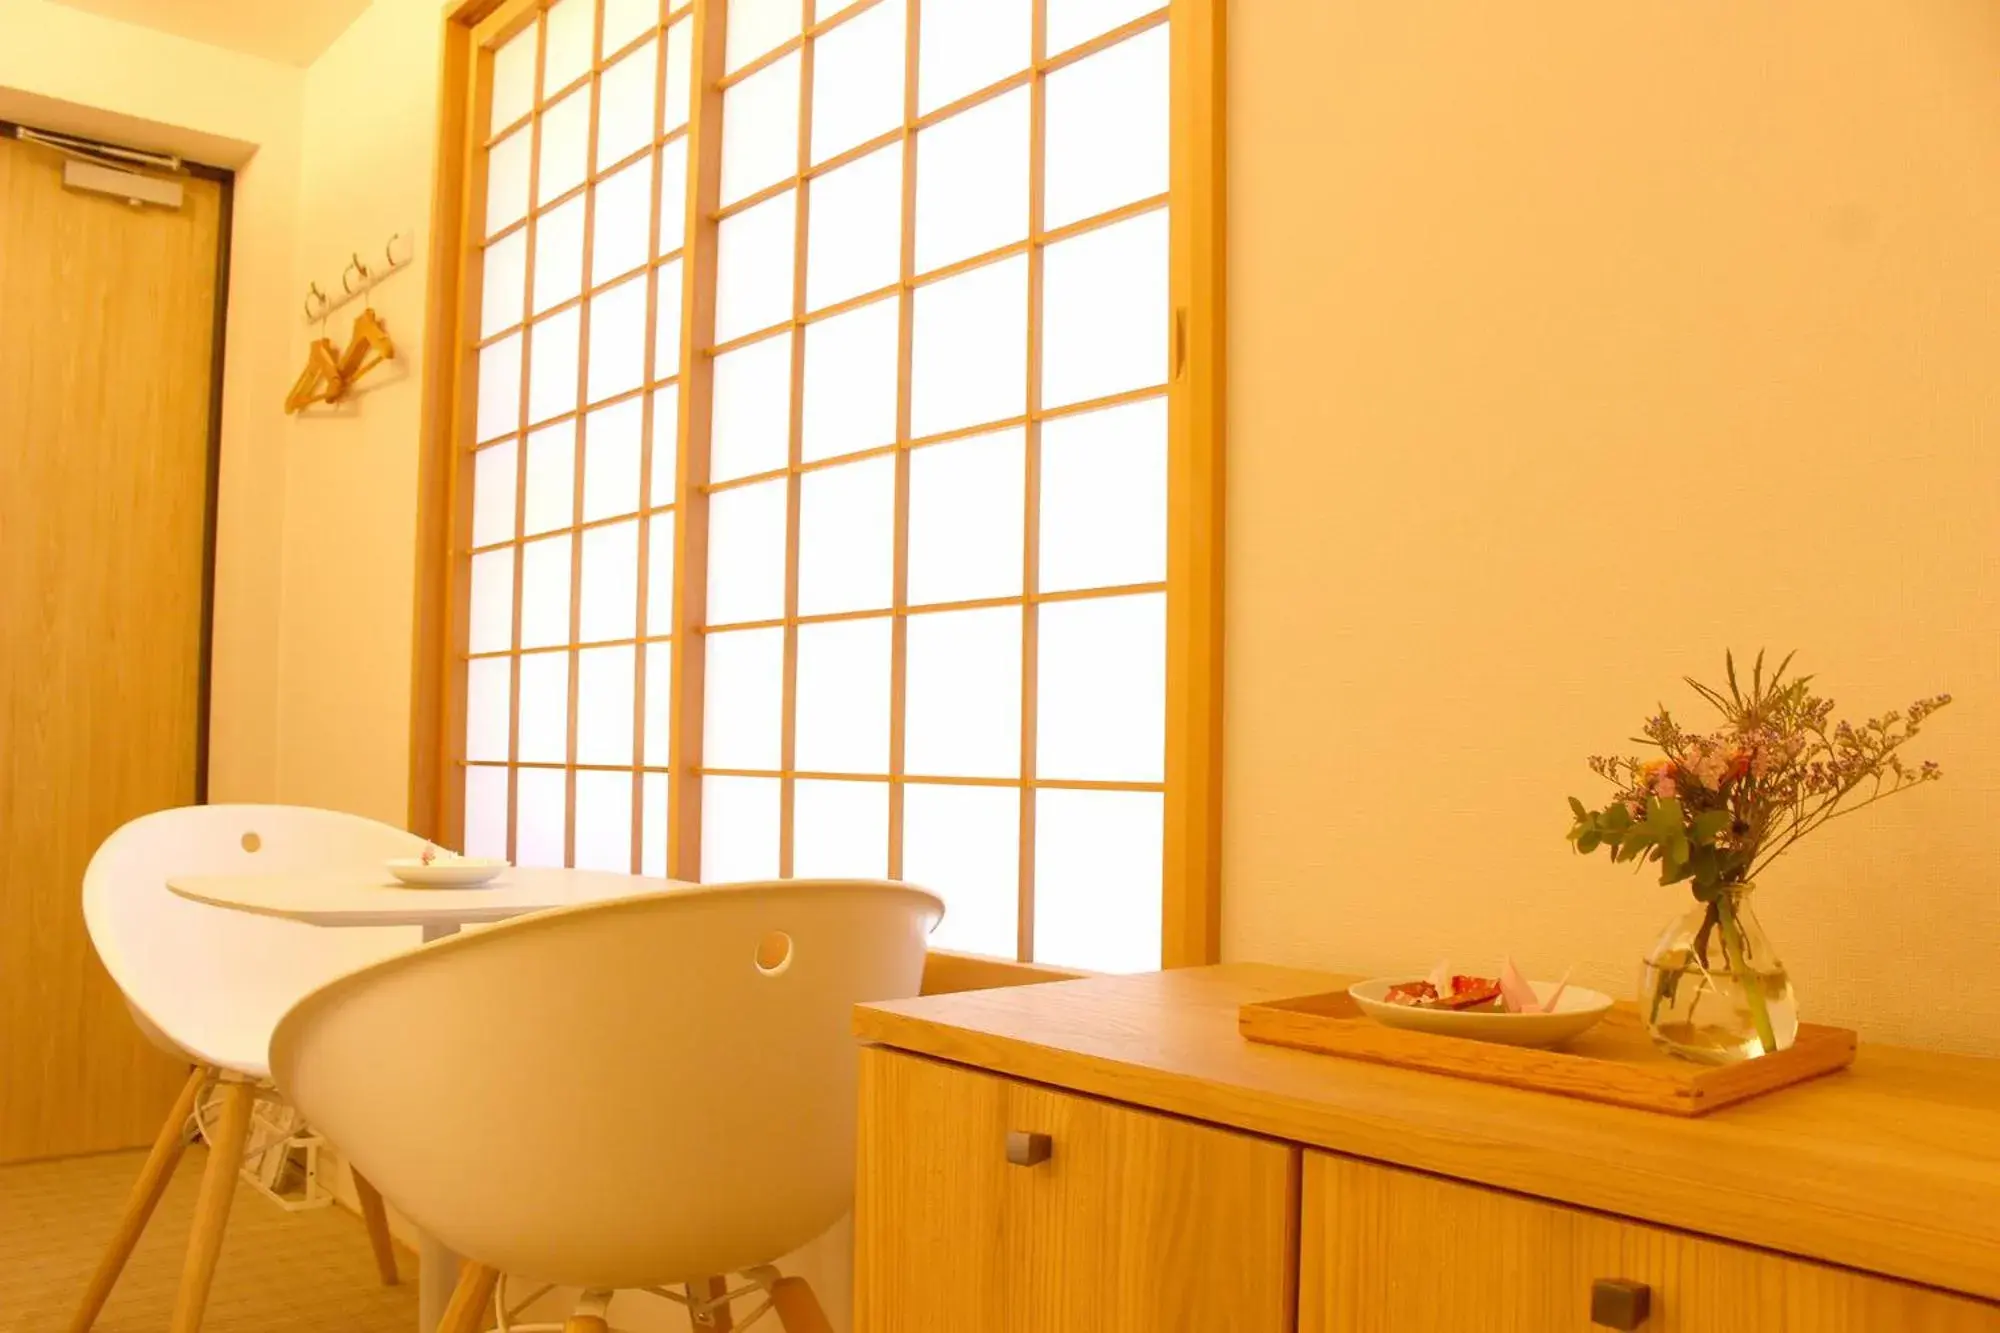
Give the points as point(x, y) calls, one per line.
point(357, 279)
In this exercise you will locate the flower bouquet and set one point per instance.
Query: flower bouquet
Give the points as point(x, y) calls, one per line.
point(1713, 809)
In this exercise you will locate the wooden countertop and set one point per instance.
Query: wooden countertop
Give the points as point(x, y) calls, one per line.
point(1892, 1166)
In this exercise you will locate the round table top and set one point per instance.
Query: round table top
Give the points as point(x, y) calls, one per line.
point(376, 898)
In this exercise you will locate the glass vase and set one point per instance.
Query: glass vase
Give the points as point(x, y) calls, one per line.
point(1713, 988)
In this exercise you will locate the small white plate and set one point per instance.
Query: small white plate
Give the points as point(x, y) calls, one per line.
point(461, 874)
point(1576, 1013)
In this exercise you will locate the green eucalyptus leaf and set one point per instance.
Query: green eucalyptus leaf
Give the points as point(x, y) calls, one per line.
point(1707, 827)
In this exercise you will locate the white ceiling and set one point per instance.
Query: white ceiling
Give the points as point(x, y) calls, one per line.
point(293, 32)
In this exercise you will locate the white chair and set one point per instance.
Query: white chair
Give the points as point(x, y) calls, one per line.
point(657, 1090)
point(208, 986)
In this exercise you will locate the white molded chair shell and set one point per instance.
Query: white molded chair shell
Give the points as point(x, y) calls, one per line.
point(616, 1095)
point(209, 984)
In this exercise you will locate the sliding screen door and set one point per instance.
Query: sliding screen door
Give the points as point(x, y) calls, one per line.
point(570, 528)
point(820, 486)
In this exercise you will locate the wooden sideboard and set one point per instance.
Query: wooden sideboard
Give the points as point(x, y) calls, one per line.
point(1107, 1155)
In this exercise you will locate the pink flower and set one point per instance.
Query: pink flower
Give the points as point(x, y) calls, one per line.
point(1658, 779)
point(1709, 767)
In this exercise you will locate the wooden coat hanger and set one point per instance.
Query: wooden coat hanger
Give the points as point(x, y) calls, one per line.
point(368, 348)
point(321, 381)
point(369, 344)
point(331, 371)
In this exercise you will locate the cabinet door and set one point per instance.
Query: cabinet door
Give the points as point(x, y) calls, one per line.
point(1387, 1250)
point(1132, 1222)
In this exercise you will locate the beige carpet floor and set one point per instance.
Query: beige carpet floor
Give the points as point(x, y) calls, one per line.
point(281, 1272)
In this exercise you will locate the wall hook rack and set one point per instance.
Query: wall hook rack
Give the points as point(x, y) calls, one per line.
point(359, 277)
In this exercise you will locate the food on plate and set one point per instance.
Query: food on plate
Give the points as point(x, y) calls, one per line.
point(1470, 993)
point(435, 855)
point(1508, 993)
point(1459, 992)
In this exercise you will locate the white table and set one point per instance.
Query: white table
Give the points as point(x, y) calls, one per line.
point(374, 898)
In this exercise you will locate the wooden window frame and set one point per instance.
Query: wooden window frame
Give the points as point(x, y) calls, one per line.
point(1191, 862)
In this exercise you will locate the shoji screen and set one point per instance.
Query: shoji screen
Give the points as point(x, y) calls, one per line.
point(937, 475)
point(571, 523)
point(923, 325)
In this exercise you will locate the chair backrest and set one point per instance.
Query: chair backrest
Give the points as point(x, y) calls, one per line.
point(214, 982)
point(623, 1094)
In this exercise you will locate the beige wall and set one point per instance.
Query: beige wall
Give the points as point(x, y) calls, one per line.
point(369, 115)
point(116, 68)
point(1570, 343)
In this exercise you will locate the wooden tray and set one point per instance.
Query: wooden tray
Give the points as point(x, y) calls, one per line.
point(1615, 1062)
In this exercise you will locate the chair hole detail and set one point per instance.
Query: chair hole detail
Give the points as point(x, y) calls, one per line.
point(774, 954)
point(251, 842)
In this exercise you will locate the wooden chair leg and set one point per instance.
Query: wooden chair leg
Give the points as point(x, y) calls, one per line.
point(797, 1307)
point(719, 1319)
point(723, 1319)
point(211, 1209)
point(146, 1191)
point(377, 1219)
point(467, 1311)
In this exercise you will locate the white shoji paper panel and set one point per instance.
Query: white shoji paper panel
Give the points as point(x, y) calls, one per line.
point(962, 704)
point(1097, 879)
point(964, 844)
point(840, 829)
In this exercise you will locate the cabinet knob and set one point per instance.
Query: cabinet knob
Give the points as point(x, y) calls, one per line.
point(1615, 1303)
point(1025, 1149)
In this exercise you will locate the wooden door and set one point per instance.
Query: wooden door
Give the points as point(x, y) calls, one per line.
point(1391, 1251)
point(1133, 1223)
point(106, 333)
